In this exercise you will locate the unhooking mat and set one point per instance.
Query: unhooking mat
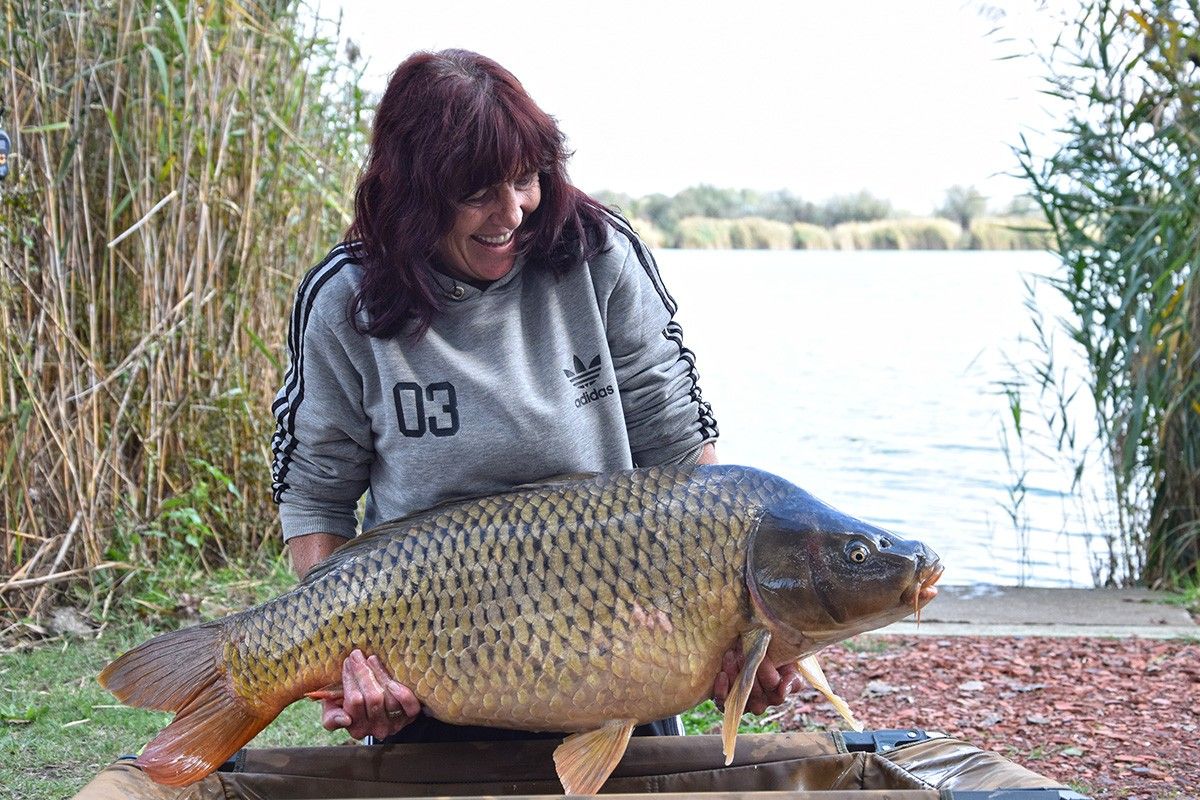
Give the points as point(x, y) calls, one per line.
point(817, 765)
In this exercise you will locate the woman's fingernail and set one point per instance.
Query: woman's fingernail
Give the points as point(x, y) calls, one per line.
point(396, 689)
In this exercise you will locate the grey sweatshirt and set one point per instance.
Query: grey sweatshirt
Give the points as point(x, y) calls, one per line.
point(533, 377)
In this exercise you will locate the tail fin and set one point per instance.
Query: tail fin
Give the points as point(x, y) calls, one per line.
point(183, 671)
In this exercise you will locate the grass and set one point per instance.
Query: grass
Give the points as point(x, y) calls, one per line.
point(60, 728)
point(867, 643)
point(706, 718)
point(183, 586)
point(1187, 594)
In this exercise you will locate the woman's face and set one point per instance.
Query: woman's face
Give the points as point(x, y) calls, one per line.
point(482, 245)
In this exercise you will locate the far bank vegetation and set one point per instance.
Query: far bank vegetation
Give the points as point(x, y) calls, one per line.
point(709, 218)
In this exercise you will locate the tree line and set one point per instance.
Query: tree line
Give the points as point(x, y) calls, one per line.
point(961, 204)
point(706, 216)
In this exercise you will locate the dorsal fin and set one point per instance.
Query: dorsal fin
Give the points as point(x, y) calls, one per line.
point(370, 539)
point(566, 477)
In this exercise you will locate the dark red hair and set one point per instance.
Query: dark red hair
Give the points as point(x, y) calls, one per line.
point(449, 124)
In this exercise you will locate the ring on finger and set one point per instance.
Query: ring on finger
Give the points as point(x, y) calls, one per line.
point(397, 714)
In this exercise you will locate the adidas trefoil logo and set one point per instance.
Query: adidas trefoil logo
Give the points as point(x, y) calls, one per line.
point(584, 375)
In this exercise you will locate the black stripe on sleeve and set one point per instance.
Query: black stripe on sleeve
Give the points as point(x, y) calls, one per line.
point(285, 407)
point(708, 423)
point(673, 331)
point(622, 226)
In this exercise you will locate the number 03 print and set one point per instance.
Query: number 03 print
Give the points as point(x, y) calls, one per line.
point(410, 408)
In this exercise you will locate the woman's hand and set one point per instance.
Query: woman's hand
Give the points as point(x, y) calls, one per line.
point(373, 703)
point(771, 685)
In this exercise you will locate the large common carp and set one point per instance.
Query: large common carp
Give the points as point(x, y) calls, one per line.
point(582, 605)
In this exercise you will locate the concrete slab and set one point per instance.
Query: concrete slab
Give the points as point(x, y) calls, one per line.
point(986, 610)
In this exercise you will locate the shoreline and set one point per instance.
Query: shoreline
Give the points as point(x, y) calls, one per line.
point(990, 610)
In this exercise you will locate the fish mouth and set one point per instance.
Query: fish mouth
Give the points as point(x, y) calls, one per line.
point(924, 589)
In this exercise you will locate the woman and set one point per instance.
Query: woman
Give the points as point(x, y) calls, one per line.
point(485, 324)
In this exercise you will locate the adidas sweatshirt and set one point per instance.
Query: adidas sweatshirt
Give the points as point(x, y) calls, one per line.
point(535, 376)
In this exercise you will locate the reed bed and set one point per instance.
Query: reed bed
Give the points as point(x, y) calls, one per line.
point(176, 166)
point(703, 233)
point(1010, 233)
point(917, 233)
point(932, 233)
point(806, 236)
point(1123, 198)
point(905, 233)
point(650, 233)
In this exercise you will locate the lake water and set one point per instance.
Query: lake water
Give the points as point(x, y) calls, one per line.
point(869, 379)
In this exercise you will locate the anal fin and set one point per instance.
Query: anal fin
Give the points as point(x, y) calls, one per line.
point(754, 647)
point(585, 760)
point(205, 732)
point(812, 672)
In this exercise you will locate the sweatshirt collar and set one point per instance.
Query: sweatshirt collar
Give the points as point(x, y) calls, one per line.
point(455, 291)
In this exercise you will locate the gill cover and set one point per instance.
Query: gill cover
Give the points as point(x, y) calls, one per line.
point(817, 574)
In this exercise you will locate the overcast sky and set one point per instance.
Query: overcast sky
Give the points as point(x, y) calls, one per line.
point(902, 98)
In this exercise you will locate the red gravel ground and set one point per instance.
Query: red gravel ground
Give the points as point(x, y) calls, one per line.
point(1112, 718)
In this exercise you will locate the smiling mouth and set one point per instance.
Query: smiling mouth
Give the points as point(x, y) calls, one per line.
point(498, 240)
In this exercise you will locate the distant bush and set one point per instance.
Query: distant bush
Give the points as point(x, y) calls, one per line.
point(756, 233)
point(1010, 233)
point(859, 207)
point(847, 236)
point(884, 234)
point(915, 233)
point(806, 236)
point(650, 233)
point(702, 233)
point(746, 233)
point(930, 233)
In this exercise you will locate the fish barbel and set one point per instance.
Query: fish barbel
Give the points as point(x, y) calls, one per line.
point(585, 605)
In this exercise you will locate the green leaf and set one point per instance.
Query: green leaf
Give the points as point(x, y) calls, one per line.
point(163, 77)
point(180, 32)
point(261, 346)
point(53, 126)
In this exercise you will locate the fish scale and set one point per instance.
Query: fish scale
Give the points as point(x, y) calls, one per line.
point(571, 582)
point(577, 605)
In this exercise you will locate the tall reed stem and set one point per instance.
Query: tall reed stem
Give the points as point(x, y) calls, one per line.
point(177, 165)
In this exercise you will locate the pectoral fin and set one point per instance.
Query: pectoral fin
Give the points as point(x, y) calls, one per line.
point(585, 760)
point(812, 672)
point(331, 691)
point(754, 647)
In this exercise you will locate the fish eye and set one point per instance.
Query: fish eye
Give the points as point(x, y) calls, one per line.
point(857, 553)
